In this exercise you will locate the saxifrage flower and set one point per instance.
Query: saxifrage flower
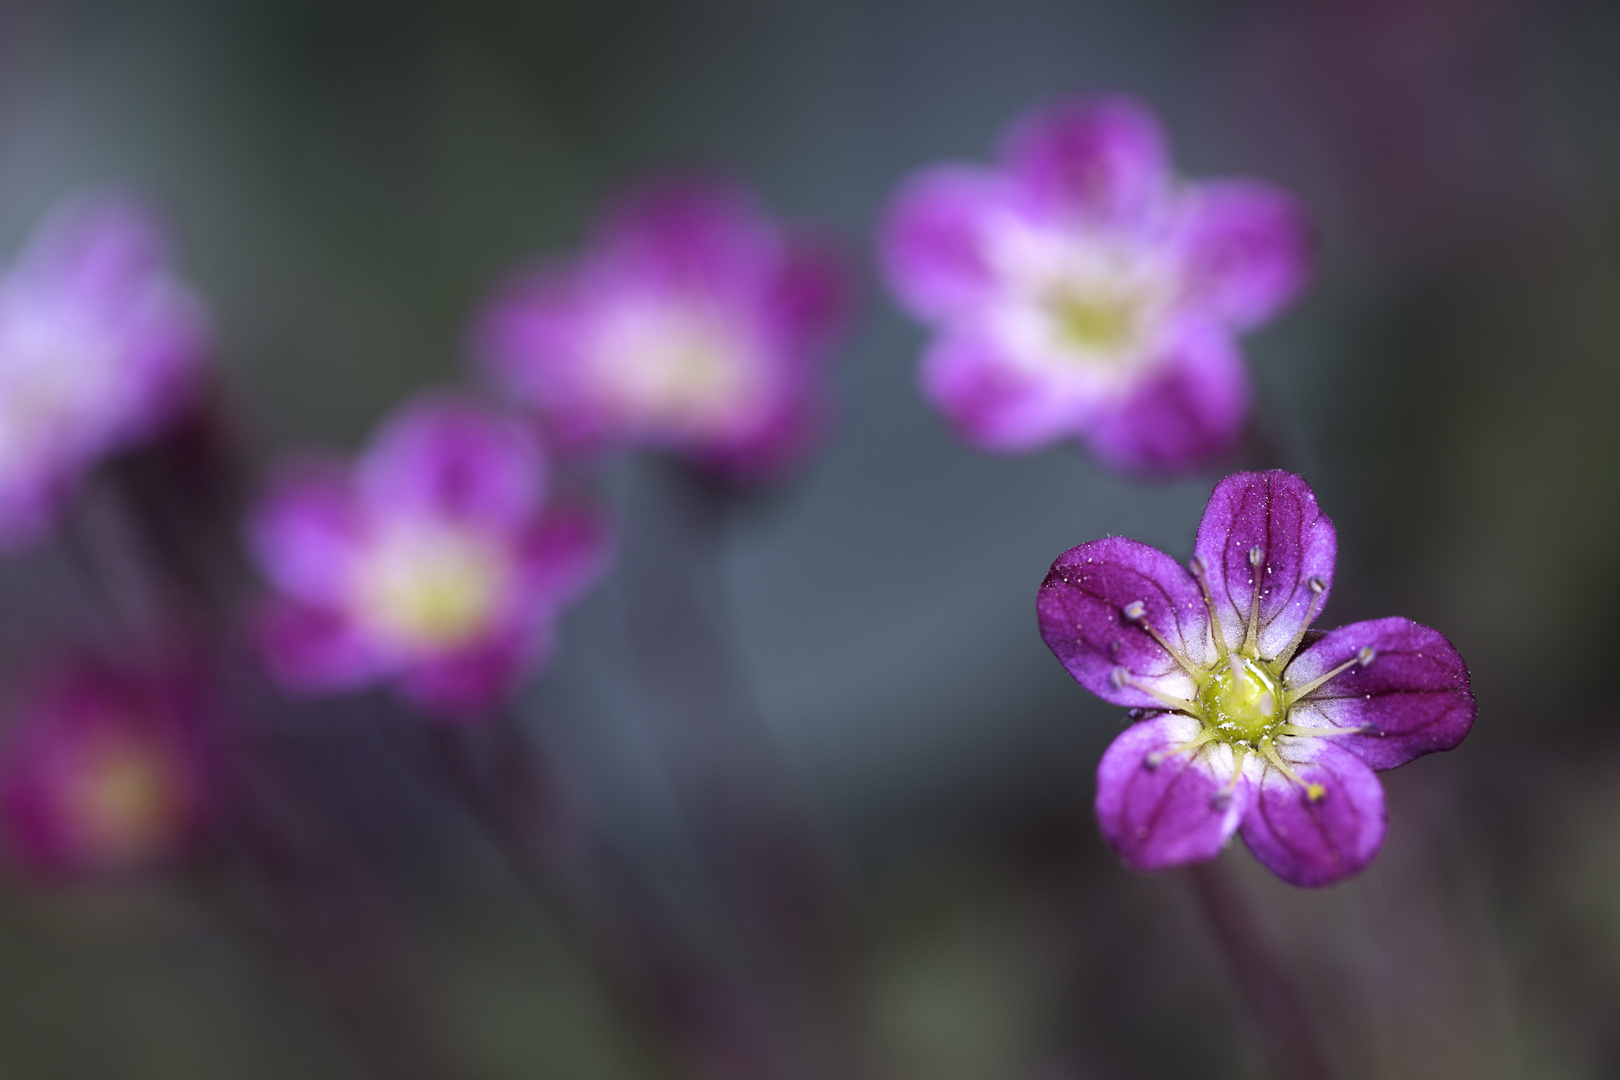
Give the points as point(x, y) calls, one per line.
point(692, 323)
point(435, 561)
point(105, 771)
point(1251, 722)
point(100, 345)
point(1079, 290)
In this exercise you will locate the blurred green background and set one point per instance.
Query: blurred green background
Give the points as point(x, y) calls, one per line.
point(347, 177)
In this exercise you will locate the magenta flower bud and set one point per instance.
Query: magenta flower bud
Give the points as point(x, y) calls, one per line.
point(104, 773)
point(100, 346)
point(692, 323)
point(1245, 725)
point(435, 561)
point(1079, 290)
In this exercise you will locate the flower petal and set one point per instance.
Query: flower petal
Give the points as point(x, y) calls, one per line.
point(809, 299)
point(931, 242)
point(1082, 610)
point(1102, 157)
point(306, 532)
point(993, 403)
point(1247, 248)
point(1412, 699)
point(1191, 411)
point(1272, 515)
point(688, 232)
point(464, 686)
point(1313, 842)
point(566, 554)
point(313, 650)
point(450, 457)
point(1167, 810)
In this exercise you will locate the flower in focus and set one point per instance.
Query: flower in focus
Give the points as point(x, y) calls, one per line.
point(1245, 728)
point(692, 323)
point(1079, 290)
point(103, 772)
point(435, 560)
point(100, 346)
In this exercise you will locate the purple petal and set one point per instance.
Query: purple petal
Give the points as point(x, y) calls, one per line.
point(931, 242)
point(689, 232)
point(1086, 619)
point(1188, 413)
point(464, 686)
point(313, 650)
point(567, 553)
point(1313, 842)
point(1158, 810)
point(991, 402)
point(1273, 516)
point(1102, 157)
point(1247, 249)
point(1411, 699)
point(809, 299)
point(446, 456)
point(305, 533)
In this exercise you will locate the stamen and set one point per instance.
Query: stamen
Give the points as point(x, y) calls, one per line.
point(1318, 732)
point(1318, 587)
point(1121, 677)
point(1136, 612)
point(1361, 659)
point(1221, 799)
point(1196, 565)
point(1154, 758)
point(1313, 791)
point(1250, 639)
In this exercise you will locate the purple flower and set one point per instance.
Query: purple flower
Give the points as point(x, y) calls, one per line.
point(1079, 290)
point(435, 561)
point(1252, 720)
point(100, 345)
point(692, 323)
point(104, 772)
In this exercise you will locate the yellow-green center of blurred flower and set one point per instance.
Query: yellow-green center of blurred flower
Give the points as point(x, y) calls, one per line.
point(430, 586)
point(676, 367)
point(121, 800)
point(1096, 325)
point(1242, 701)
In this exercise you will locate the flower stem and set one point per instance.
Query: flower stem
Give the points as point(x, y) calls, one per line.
point(1273, 1001)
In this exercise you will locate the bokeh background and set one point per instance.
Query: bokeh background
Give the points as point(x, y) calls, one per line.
point(347, 177)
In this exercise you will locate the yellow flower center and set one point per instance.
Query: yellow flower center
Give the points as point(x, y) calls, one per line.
point(430, 586)
point(1243, 701)
point(121, 801)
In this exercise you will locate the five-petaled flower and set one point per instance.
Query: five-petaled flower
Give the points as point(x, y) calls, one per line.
point(1079, 290)
point(100, 345)
point(435, 561)
point(692, 323)
point(105, 771)
point(1244, 728)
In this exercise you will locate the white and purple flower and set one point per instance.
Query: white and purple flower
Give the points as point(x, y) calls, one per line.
point(1253, 722)
point(692, 323)
point(100, 346)
point(435, 561)
point(1079, 290)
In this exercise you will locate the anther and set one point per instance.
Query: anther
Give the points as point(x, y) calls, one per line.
point(1196, 565)
point(1221, 799)
point(1119, 678)
point(1317, 585)
point(1152, 760)
point(1255, 555)
point(1134, 610)
point(1315, 792)
point(1366, 655)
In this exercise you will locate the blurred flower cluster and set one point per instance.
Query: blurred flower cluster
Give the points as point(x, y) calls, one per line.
point(1077, 290)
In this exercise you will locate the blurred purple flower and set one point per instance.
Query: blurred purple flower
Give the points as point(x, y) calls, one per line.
point(1240, 731)
point(104, 772)
point(692, 323)
point(435, 561)
point(1078, 290)
point(100, 345)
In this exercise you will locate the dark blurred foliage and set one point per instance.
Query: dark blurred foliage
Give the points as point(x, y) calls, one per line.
point(346, 178)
